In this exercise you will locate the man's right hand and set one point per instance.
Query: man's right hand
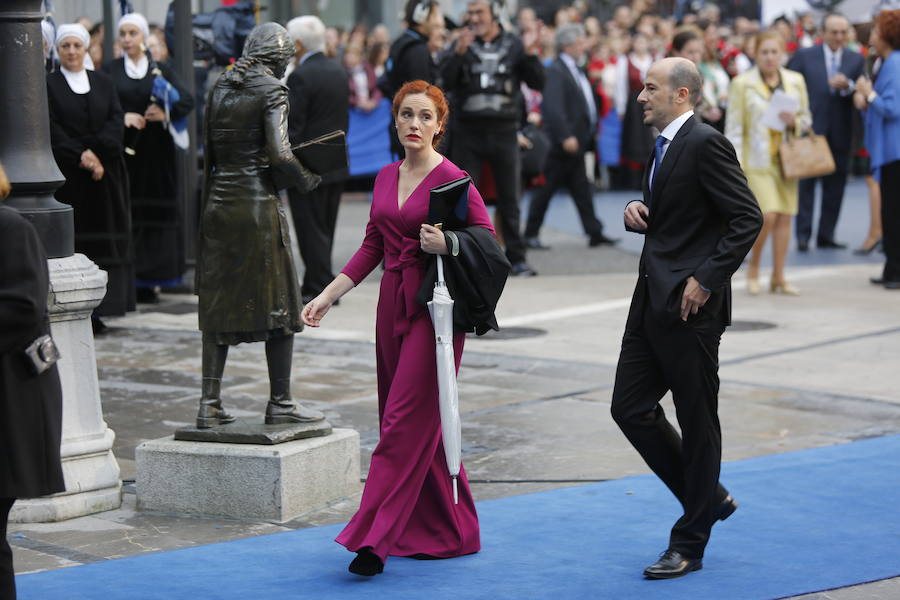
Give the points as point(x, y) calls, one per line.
point(570, 145)
point(636, 214)
point(466, 37)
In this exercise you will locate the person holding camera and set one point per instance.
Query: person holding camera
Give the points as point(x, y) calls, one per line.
point(30, 394)
point(483, 70)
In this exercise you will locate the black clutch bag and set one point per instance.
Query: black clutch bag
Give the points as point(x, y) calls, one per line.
point(448, 204)
point(325, 156)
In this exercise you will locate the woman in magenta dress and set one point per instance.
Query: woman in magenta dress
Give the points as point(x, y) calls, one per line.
point(407, 505)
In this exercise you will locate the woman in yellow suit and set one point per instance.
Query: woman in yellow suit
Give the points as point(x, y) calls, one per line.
point(757, 150)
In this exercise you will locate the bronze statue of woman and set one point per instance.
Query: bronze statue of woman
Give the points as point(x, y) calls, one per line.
point(246, 277)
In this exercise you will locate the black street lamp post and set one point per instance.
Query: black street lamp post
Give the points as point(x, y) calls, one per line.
point(25, 128)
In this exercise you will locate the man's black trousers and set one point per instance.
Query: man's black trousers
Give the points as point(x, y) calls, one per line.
point(682, 358)
point(499, 148)
point(315, 217)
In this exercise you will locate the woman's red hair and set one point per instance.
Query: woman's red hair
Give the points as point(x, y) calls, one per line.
point(434, 93)
point(888, 24)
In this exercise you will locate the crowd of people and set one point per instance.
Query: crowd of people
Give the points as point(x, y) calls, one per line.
point(470, 99)
point(610, 55)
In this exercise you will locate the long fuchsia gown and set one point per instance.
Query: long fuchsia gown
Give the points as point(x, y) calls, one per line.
point(407, 505)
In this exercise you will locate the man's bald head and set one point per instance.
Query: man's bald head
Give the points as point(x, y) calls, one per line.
point(682, 73)
point(672, 87)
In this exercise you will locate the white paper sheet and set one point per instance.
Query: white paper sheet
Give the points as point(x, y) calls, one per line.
point(780, 102)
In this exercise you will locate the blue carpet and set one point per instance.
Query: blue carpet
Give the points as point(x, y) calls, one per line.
point(808, 521)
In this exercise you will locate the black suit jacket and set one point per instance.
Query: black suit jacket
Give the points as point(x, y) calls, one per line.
point(319, 98)
point(565, 110)
point(703, 221)
point(832, 113)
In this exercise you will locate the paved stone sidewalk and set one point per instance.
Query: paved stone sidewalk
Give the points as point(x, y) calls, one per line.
point(796, 373)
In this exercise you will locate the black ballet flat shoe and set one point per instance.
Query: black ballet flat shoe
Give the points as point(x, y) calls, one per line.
point(366, 564)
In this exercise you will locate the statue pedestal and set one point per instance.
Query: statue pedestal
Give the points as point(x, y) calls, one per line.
point(273, 482)
point(91, 472)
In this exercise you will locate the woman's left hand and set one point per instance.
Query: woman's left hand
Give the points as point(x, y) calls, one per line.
point(154, 113)
point(788, 118)
point(432, 240)
point(864, 86)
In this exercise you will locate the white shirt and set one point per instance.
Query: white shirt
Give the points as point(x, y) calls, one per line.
point(832, 55)
point(78, 82)
point(137, 69)
point(669, 133)
point(583, 83)
point(836, 56)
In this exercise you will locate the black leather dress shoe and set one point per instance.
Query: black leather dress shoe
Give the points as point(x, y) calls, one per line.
point(830, 244)
point(726, 508)
point(672, 564)
point(533, 243)
point(802, 246)
point(522, 269)
point(366, 564)
point(876, 280)
point(601, 240)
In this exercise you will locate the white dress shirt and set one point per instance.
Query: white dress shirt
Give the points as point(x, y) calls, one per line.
point(669, 133)
point(583, 83)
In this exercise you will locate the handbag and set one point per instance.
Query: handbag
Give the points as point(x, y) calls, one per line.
point(805, 156)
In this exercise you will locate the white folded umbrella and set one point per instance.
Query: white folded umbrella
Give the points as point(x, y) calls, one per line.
point(441, 310)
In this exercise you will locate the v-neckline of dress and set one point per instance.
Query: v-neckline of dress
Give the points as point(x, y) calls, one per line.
point(415, 189)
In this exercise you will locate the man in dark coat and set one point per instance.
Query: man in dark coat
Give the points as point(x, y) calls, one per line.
point(569, 112)
point(319, 104)
point(830, 71)
point(410, 58)
point(483, 69)
point(699, 220)
point(246, 278)
point(30, 405)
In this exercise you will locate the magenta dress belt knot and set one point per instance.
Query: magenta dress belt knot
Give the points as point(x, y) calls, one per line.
point(408, 266)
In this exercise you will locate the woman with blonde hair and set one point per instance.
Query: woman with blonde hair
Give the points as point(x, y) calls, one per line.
point(757, 148)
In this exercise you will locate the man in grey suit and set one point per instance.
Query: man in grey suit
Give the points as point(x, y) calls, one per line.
point(830, 71)
point(569, 111)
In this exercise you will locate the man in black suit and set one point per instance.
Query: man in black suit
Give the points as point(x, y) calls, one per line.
point(830, 71)
point(569, 111)
point(699, 219)
point(319, 97)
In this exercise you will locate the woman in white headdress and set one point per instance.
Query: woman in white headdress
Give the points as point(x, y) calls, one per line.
point(86, 125)
point(150, 159)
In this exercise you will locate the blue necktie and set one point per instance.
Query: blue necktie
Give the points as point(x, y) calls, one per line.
point(658, 156)
point(833, 70)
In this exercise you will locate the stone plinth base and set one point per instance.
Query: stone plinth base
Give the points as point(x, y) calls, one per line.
point(249, 432)
point(247, 481)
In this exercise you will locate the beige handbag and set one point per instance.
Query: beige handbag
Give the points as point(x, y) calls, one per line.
point(805, 156)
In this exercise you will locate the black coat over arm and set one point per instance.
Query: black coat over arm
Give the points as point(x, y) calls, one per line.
point(30, 406)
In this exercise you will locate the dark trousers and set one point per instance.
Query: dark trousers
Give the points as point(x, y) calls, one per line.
point(890, 219)
point(7, 575)
point(315, 217)
point(564, 170)
point(832, 197)
point(499, 148)
point(656, 358)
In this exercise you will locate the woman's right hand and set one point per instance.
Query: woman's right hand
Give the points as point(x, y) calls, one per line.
point(315, 310)
point(135, 120)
